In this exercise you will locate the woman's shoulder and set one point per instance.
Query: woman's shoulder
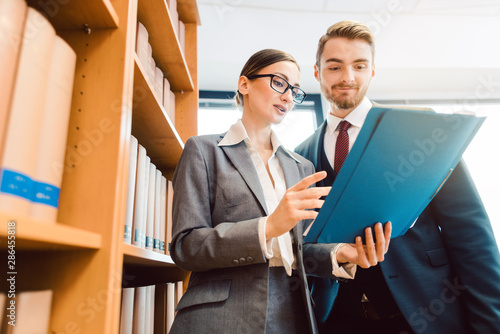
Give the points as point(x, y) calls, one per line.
point(205, 140)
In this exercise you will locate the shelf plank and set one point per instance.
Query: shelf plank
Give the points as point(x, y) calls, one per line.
point(39, 235)
point(73, 15)
point(133, 255)
point(143, 267)
point(134, 276)
point(151, 125)
point(188, 11)
point(167, 51)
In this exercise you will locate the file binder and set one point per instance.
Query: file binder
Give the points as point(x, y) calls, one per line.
point(398, 163)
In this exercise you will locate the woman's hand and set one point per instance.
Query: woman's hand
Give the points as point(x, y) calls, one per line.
point(370, 254)
point(296, 205)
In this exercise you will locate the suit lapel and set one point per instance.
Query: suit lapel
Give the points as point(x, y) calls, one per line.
point(289, 166)
point(292, 176)
point(241, 160)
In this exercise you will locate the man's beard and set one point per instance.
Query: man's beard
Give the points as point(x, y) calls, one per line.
point(342, 102)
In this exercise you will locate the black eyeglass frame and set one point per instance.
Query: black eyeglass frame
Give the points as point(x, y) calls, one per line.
point(255, 76)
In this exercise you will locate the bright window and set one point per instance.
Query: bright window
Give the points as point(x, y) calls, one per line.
point(216, 115)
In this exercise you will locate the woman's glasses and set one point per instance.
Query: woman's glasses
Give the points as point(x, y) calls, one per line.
point(281, 86)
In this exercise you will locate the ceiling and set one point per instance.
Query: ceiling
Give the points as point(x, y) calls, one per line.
point(425, 49)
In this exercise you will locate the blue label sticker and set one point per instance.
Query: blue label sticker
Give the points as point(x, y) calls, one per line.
point(137, 236)
point(128, 232)
point(16, 184)
point(149, 242)
point(45, 193)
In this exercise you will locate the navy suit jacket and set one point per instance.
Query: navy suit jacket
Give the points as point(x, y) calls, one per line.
point(444, 273)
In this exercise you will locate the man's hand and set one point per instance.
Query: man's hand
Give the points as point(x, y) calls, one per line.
point(370, 254)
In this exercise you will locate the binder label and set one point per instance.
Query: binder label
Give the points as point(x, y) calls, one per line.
point(128, 232)
point(15, 183)
point(149, 242)
point(45, 193)
point(137, 236)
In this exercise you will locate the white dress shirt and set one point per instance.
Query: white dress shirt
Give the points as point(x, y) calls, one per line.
point(356, 118)
point(278, 250)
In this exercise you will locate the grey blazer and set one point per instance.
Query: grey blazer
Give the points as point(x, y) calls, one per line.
point(218, 201)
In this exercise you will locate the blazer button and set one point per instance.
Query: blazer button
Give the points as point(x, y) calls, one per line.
point(243, 261)
point(300, 247)
point(250, 259)
point(236, 262)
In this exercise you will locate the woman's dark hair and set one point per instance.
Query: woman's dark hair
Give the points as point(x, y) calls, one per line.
point(260, 60)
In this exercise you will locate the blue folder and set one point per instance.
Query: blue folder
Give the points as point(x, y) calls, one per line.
point(398, 163)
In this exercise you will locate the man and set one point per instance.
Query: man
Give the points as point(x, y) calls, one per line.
point(443, 275)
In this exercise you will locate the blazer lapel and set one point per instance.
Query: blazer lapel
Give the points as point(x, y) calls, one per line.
point(241, 160)
point(292, 176)
point(289, 166)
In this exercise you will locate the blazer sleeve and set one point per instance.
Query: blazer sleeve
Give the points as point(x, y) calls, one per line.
point(468, 237)
point(198, 245)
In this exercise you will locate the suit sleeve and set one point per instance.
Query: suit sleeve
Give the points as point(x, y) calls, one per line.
point(468, 236)
point(198, 245)
point(318, 260)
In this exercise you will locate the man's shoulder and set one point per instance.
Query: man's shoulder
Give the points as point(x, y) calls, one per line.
point(310, 142)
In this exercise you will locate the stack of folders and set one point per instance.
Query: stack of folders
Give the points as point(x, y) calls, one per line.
point(154, 74)
point(149, 309)
point(148, 221)
point(26, 312)
point(37, 69)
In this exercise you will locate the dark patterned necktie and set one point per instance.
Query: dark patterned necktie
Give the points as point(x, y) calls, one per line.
point(342, 145)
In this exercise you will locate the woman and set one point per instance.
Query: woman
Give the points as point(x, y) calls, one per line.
point(236, 226)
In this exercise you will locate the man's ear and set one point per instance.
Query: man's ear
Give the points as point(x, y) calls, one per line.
point(316, 72)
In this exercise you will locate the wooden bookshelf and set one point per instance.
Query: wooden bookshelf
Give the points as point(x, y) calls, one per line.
point(188, 11)
point(139, 256)
point(144, 267)
point(71, 15)
point(151, 124)
point(82, 257)
point(167, 52)
point(33, 234)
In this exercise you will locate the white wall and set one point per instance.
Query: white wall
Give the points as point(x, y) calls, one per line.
point(431, 49)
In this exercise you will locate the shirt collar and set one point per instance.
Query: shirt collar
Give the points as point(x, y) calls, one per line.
point(356, 117)
point(237, 133)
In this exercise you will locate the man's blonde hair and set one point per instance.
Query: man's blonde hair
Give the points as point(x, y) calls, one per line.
point(346, 29)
